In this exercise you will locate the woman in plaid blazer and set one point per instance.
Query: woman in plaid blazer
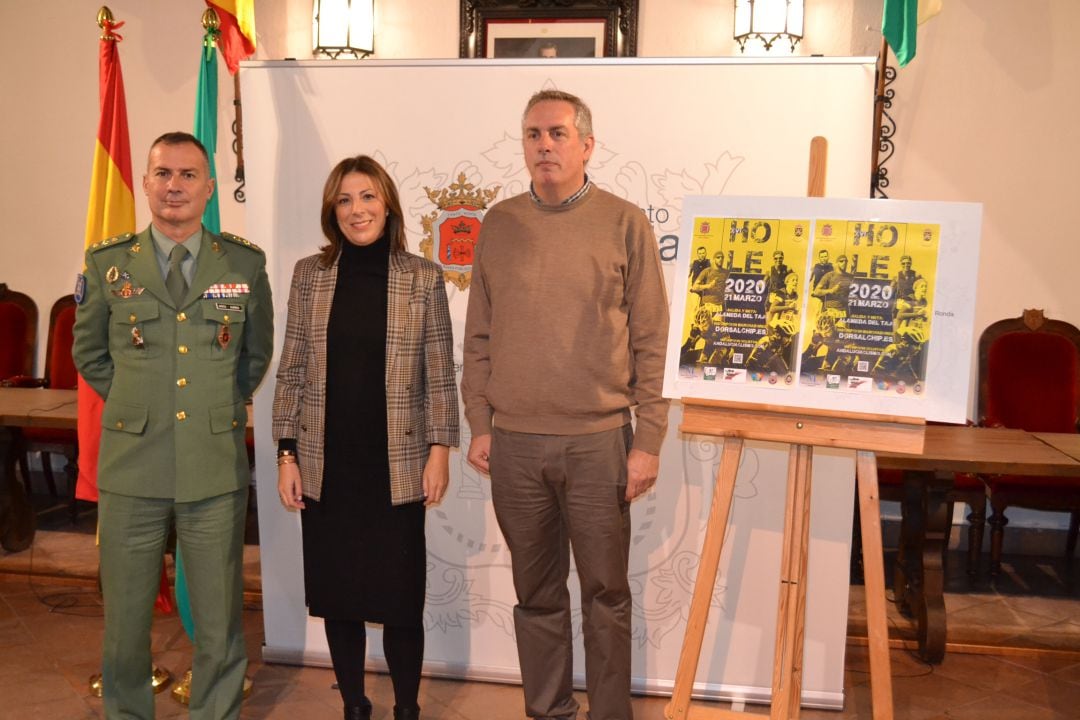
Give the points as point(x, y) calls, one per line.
point(365, 412)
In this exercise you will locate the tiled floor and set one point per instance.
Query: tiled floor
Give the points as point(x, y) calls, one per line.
point(50, 635)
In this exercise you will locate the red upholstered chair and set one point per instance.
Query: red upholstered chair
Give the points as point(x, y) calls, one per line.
point(1029, 378)
point(60, 373)
point(18, 334)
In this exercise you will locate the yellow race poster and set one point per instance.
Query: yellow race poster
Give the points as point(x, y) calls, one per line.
point(867, 323)
point(744, 299)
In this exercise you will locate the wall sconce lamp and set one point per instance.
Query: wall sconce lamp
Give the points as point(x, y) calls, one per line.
point(343, 27)
point(768, 21)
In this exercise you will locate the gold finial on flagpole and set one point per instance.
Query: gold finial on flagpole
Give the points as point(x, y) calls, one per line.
point(104, 20)
point(210, 20)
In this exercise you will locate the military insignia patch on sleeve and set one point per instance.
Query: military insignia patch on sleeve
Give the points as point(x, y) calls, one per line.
point(80, 288)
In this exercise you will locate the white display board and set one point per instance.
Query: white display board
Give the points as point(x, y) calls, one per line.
point(859, 356)
point(665, 129)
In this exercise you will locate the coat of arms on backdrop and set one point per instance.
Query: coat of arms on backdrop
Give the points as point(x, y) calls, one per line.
point(451, 231)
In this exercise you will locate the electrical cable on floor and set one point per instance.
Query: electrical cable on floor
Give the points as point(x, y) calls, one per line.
point(77, 601)
point(891, 598)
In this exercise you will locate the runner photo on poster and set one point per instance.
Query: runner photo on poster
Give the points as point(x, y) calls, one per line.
point(743, 300)
point(867, 324)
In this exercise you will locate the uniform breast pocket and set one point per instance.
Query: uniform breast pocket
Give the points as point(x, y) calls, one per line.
point(223, 327)
point(136, 330)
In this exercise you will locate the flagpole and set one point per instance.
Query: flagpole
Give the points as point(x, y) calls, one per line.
point(109, 212)
point(238, 141)
point(205, 131)
point(882, 134)
point(879, 100)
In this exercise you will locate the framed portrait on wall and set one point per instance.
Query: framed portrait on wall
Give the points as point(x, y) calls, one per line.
point(549, 28)
point(545, 38)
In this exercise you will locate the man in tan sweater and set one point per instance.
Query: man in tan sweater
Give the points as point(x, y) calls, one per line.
point(565, 333)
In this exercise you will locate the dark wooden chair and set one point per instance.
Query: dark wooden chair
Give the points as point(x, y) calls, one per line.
point(60, 373)
point(967, 489)
point(1029, 378)
point(18, 334)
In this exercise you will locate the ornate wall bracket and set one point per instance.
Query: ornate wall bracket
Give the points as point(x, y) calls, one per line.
point(884, 124)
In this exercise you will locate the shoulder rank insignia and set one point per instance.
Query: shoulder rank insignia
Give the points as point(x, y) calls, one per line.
point(115, 240)
point(240, 241)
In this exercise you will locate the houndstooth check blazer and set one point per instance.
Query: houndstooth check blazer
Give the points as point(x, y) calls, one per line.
point(421, 394)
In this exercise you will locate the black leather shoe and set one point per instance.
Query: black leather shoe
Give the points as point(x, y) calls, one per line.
point(358, 712)
point(412, 713)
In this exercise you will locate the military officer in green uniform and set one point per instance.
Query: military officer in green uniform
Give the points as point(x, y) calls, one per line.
point(174, 330)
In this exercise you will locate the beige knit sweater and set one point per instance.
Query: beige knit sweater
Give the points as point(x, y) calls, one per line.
point(567, 320)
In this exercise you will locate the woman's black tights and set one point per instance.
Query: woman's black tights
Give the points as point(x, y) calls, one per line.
point(404, 650)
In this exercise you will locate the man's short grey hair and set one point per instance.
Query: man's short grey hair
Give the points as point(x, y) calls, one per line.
point(582, 114)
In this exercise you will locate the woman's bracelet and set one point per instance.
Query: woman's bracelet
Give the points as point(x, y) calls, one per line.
point(286, 459)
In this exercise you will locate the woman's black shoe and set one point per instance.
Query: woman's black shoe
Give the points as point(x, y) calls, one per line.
point(412, 713)
point(358, 712)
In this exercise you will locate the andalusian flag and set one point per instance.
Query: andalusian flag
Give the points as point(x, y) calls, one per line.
point(111, 212)
point(899, 24)
point(206, 132)
point(237, 30)
point(206, 119)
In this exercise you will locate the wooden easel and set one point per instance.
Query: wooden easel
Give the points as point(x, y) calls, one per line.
point(803, 430)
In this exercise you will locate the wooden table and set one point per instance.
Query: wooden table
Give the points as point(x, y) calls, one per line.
point(19, 408)
point(1068, 443)
point(919, 578)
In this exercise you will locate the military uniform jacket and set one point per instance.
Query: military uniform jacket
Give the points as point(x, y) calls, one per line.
point(175, 378)
point(421, 395)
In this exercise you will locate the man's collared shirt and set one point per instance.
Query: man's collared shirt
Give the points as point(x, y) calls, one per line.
point(163, 246)
point(572, 199)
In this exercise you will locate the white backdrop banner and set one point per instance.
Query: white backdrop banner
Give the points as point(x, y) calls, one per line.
point(665, 129)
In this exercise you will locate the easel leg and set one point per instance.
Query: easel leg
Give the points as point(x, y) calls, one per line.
point(791, 605)
point(803, 555)
point(877, 630)
point(705, 584)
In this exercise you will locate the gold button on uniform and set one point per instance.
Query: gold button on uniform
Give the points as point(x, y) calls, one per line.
point(181, 317)
point(132, 318)
point(225, 318)
point(182, 349)
point(181, 415)
point(119, 424)
point(236, 423)
point(182, 382)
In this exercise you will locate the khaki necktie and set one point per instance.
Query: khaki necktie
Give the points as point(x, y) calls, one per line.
point(174, 279)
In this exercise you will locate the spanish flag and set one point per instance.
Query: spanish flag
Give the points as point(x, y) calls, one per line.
point(237, 30)
point(111, 211)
